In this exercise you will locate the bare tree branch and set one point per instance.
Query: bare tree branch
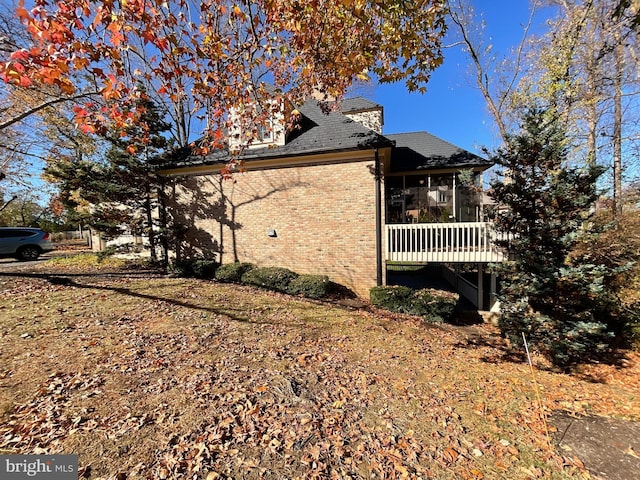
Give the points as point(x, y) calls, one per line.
point(21, 151)
point(520, 50)
point(42, 106)
point(8, 202)
point(461, 17)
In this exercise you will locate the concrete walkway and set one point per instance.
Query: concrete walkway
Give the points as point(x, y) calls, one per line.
point(609, 449)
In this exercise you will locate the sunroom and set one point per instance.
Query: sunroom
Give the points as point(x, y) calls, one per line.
point(435, 204)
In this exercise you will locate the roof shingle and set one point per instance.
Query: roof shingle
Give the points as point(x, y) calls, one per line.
point(423, 151)
point(321, 132)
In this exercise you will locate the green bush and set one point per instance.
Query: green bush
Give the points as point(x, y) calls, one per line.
point(109, 251)
point(196, 268)
point(310, 286)
point(577, 341)
point(432, 305)
point(564, 340)
point(204, 268)
point(180, 268)
point(634, 336)
point(271, 278)
point(232, 272)
point(393, 298)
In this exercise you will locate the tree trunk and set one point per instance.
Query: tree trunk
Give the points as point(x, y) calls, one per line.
point(617, 129)
point(181, 122)
point(164, 240)
point(151, 232)
point(592, 99)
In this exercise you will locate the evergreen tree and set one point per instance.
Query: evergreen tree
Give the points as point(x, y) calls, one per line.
point(73, 176)
point(130, 180)
point(121, 189)
point(560, 304)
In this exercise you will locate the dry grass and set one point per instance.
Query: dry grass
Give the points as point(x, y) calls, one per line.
point(156, 377)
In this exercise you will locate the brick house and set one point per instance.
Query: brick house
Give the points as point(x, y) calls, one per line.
point(333, 196)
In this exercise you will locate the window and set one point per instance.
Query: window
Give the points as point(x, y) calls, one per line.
point(265, 132)
point(15, 233)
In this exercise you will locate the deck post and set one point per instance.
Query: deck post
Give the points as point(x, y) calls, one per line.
point(455, 194)
point(492, 292)
point(480, 287)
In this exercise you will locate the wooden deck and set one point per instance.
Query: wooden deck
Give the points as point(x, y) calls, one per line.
point(462, 242)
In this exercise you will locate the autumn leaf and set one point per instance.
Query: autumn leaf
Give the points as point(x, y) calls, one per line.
point(25, 81)
point(80, 63)
point(450, 455)
point(116, 34)
point(22, 13)
point(21, 55)
point(87, 128)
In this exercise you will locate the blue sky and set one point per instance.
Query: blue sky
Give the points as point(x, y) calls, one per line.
point(453, 108)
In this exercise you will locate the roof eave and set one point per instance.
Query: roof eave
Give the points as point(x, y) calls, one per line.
point(282, 161)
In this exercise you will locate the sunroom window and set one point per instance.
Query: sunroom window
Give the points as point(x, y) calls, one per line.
point(441, 197)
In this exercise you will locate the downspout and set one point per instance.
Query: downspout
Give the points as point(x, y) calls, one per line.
point(455, 202)
point(378, 177)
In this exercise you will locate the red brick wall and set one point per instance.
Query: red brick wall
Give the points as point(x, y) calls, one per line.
point(323, 215)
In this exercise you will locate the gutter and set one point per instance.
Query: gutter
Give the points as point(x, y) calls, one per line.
point(281, 161)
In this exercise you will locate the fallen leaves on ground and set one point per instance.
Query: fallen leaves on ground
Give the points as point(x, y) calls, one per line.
point(147, 376)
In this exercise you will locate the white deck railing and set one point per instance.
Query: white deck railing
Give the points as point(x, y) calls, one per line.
point(442, 242)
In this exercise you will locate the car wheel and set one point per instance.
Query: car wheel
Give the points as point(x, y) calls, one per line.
point(28, 253)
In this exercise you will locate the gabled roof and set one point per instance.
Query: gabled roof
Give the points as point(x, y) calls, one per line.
point(423, 151)
point(319, 132)
point(334, 132)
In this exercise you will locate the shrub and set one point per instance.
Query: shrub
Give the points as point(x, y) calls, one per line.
point(310, 286)
point(271, 278)
point(109, 251)
point(392, 298)
point(432, 305)
point(565, 340)
point(181, 268)
point(232, 272)
point(204, 268)
point(197, 268)
point(634, 336)
point(577, 341)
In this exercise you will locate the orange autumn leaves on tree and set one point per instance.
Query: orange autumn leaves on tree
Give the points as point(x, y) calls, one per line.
point(216, 52)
